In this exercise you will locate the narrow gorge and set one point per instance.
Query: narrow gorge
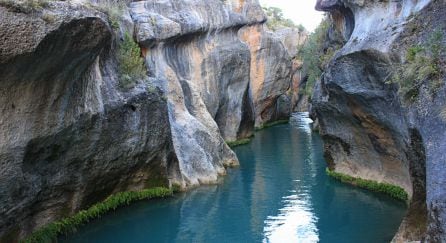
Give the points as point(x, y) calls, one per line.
point(100, 98)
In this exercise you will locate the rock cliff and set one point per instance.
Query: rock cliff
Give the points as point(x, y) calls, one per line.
point(369, 129)
point(72, 135)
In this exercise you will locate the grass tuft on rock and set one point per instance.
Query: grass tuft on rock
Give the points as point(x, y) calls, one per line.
point(50, 232)
point(114, 9)
point(423, 65)
point(389, 189)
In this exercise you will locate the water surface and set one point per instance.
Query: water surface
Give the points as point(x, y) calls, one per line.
point(280, 193)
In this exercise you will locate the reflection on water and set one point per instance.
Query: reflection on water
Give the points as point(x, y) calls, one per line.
point(280, 193)
point(296, 221)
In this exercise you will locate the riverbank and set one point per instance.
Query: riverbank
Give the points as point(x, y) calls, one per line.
point(385, 188)
point(280, 193)
point(50, 232)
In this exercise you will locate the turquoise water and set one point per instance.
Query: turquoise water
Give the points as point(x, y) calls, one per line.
point(280, 193)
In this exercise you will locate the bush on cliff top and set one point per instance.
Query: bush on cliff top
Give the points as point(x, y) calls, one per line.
point(276, 20)
point(68, 225)
point(131, 64)
point(389, 189)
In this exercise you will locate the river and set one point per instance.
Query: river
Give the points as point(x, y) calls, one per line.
point(280, 193)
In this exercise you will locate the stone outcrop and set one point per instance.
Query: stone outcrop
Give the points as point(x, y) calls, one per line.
point(270, 74)
point(71, 136)
point(368, 130)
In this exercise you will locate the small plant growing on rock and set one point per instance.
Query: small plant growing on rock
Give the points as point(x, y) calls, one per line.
point(131, 65)
point(114, 10)
point(423, 63)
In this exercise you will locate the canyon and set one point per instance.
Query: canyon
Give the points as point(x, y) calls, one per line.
point(73, 135)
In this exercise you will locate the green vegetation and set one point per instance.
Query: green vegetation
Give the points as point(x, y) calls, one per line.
point(389, 189)
point(113, 8)
point(67, 225)
point(236, 143)
point(131, 64)
point(25, 6)
point(270, 124)
point(277, 21)
point(315, 56)
point(423, 64)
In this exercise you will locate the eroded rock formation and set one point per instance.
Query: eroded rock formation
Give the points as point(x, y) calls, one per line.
point(71, 136)
point(368, 129)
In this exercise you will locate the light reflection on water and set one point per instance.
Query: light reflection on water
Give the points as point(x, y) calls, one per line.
point(280, 193)
point(296, 221)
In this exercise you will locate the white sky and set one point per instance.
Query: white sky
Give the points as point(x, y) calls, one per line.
point(300, 11)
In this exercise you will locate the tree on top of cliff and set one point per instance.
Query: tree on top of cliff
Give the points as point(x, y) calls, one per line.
point(315, 56)
point(276, 20)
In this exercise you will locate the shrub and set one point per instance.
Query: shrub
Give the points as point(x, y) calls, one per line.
point(114, 9)
point(389, 189)
point(423, 64)
point(67, 225)
point(131, 65)
point(314, 56)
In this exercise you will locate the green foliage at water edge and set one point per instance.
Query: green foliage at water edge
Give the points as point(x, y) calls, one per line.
point(68, 225)
point(239, 142)
point(270, 124)
point(389, 189)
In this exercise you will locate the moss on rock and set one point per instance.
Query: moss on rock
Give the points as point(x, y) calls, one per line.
point(50, 232)
point(389, 189)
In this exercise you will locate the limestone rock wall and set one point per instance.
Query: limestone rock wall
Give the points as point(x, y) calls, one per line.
point(367, 129)
point(71, 136)
point(270, 74)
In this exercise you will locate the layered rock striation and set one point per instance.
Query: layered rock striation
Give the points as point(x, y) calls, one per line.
point(369, 130)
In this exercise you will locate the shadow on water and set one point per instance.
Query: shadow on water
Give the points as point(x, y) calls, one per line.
point(280, 193)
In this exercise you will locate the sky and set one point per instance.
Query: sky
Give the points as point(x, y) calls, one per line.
point(300, 11)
